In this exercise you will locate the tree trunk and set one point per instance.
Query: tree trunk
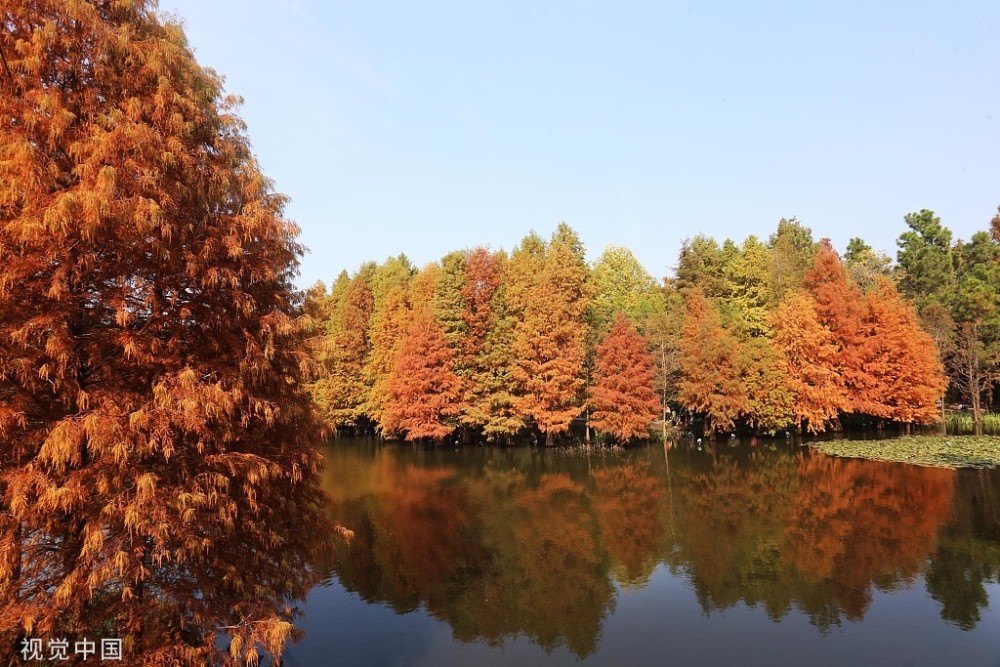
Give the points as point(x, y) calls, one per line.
point(664, 425)
point(944, 418)
point(977, 419)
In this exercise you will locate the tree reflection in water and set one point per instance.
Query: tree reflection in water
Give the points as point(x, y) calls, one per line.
point(507, 543)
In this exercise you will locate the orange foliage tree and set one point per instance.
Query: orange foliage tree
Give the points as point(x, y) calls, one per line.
point(423, 389)
point(908, 376)
point(711, 382)
point(550, 342)
point(155, 436)
point(839, 307)
point(622, 397)
point(810, 354)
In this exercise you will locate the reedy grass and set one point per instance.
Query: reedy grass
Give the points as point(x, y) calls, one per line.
point(961, 422)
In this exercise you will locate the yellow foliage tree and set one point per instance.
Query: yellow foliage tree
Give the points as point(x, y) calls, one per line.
point(811, 359)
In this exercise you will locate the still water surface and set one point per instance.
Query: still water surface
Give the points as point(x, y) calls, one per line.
point(749, 555)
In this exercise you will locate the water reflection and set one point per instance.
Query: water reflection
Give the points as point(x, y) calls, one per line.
point(531, 543)
point(811, 532)
point(968, 550)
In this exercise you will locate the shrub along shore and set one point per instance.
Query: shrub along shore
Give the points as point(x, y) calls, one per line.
point(936, 451)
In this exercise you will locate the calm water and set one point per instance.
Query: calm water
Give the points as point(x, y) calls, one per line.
point(743, 555)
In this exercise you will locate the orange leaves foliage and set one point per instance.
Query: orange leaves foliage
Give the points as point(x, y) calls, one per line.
point(423, 390)
point(839, 307)
point(387, 327)
point(810, 355)
point(622, 397)
point(888, 365)
point(483, 273)
point(908, 377)
point(550, 340)
point(710, 363)
point(154, 421)
point(523, 332)
point(486, 351)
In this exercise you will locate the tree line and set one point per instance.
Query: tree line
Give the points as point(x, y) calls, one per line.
point(760, 336)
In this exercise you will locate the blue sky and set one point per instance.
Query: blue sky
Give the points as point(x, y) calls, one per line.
point(432, 126)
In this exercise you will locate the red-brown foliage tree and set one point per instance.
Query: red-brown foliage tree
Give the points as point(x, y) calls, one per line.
point(155, 435)
point(622, 397)
point(386, 330)
point(839, 307)
point(423, 389)
point(711, 367)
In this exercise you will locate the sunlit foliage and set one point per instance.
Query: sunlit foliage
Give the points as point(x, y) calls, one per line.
point(744, 337)
point(155, 433)
point(810, 353)
point(621, 396)
point(711, 367)
point(423, 389)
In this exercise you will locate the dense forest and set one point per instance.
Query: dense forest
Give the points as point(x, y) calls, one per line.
point(759, 336)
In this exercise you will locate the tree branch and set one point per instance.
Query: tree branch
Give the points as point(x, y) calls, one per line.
point(6, 67)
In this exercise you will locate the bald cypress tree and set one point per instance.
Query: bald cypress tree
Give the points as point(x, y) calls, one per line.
point(423, 389)
point(840, 306)
point(550, 342)
point(711, 365)
point(908, 374)
point(622, 395)
point(154, 433)
point(488, 398)
point(810, 352)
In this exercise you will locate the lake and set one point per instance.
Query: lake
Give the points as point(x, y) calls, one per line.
point(750, 554)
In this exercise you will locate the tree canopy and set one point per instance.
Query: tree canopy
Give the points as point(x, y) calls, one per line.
point(624, 404)
point(751, 336)
point(154, 424)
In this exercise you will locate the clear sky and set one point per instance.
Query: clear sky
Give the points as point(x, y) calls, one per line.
point(424, 127)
